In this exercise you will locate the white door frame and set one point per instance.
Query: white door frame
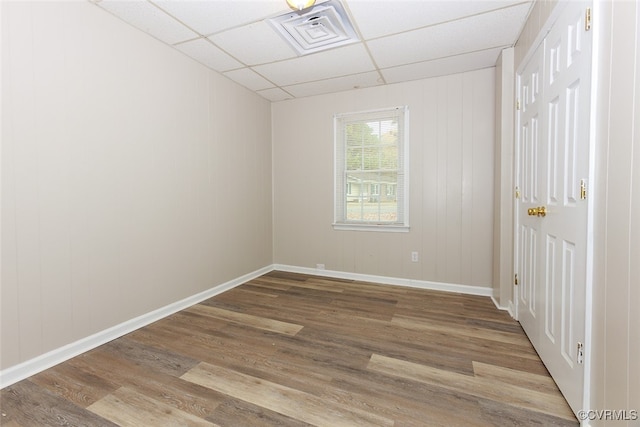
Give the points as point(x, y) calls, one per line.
point(591, 199)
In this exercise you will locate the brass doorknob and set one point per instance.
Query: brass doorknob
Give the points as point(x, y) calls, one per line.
point(539, 211)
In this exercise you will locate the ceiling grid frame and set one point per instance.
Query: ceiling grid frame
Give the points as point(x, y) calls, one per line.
point(399, 40)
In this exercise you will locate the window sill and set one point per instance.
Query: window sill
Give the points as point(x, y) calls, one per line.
point(372, 227)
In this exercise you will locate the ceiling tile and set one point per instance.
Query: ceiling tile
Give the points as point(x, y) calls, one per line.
point(211, 16)
point(489, 30)
point(205, 52)
point(249, 79)
point(442, 66)
point(337, 84)
point(275, 94)
point(352, 59)
point(254, 44)
point(380, 18)
point(148, 18)
point(402, 40)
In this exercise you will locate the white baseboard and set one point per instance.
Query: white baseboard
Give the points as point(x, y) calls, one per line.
point(30, 367)
point(512, 310)
point(501, 307)
point(422, 284)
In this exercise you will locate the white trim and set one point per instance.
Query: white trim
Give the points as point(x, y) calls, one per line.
point(38, 364)
point(498, 306)
point(512, 310)
point(406, 190)
point(592, 200)
point(30, 367)
point(339, 187)
point(371, 227)
point(381, 111)
point(485, 291)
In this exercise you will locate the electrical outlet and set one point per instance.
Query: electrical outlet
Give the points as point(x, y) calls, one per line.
point(320, 266)
point(414, 256)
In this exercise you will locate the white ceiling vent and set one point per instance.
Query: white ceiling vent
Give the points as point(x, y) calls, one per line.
point(322, 27)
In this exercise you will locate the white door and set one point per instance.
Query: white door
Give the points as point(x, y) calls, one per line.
point(553, 149)
point(529, 163)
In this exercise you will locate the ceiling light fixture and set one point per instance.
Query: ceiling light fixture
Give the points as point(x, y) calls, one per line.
point(300, 4)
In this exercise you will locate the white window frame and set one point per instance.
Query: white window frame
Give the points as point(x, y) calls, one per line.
point(340, 180)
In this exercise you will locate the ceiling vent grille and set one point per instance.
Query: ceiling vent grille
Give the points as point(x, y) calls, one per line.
point(322, 27)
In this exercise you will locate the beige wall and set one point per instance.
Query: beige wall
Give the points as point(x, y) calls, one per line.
point(451, 183)
point(531, 32)
point(616, 318)
point(503, 276)
point(117, 154)
point(130, 176)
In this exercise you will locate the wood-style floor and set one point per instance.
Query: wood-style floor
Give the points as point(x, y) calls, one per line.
point(295, 350)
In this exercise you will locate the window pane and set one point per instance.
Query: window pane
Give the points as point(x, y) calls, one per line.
point(354, 159)
point(365, 210)
point(389, 157)
point(354, 210)
point(371, 158)
point(388, 211)
point(358, 134)
point(389, 180)
point(372, 197)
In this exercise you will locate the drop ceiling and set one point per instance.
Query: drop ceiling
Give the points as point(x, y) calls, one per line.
point(399, 40)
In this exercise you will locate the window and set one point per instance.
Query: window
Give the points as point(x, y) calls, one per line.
point(391, 190)
point(371, 173)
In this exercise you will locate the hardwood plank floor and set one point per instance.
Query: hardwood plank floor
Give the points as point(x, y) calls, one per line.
point(288, 349)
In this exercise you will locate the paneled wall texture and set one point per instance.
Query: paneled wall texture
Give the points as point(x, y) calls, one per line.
point(451, 182)
point(616, 298)
point(130, 176)
point(133, 177)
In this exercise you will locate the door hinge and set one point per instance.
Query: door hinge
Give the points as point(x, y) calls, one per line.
point(587, 19)
point(583, 189)
point(515, 279)
point(580, 354)
point(518, 104)
point(517, 192)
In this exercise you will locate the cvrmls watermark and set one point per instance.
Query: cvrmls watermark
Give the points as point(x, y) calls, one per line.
point(609, 415)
